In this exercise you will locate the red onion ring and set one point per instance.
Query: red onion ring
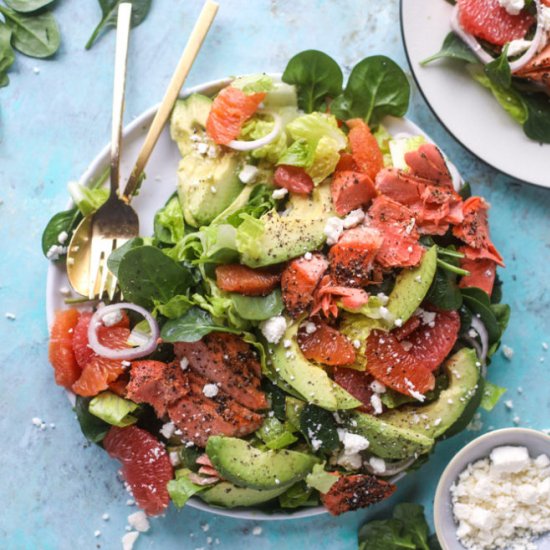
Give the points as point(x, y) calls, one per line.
point(239, 145)
point(123, 354)
point(479, 327)
point(484, 57)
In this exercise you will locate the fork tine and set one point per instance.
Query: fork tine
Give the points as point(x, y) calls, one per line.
point(95, 261)
point(111, 287)
point(106, 249)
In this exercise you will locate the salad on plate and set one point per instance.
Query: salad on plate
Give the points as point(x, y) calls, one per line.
point(505, 46)
point(315, 309)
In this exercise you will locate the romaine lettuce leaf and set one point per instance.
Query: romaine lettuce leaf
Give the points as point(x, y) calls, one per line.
point(275, 434)
point(320, 479)
point(298, 495)
point(169, 225)
point(491, 395)
point(259, 127)
point(87, 200)
point(182, 489)
point(254, 83)
point(113, 409)
point(400, 146)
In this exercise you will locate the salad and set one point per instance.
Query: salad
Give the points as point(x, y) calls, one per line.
point(316, 308)
point(504, 45)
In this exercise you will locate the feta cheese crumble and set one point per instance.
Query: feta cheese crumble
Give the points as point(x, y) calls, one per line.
point(310, 327)
point(350, 456)
point(355, 217)
point(210, 390)
point(257, 531)
point(515, 47)
point(138, 520)
point(129, 539)
point(502, 501)
point(248, 173)
point(112, 318)
point(513, 7)
point(184, 363)
point(273, 329)
point(508, 352)
point(333, 230)
point(168, 430)
point(377, 464)
point(279, 193)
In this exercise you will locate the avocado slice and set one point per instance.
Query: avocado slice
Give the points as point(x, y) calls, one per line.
point(245, 466)
point(207, 186)
point(435, 418)
point(189, 117)
point(386, 440)
point(230, 496)
point(308, 379)
point(275, 238)
point(410, 289)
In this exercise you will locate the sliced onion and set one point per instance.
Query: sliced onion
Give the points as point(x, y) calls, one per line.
point(199, 480)
point(124, 354)
point(239, 145)
point(479, 327)
point(392, 468)
point(485, 57)
point(474, 343)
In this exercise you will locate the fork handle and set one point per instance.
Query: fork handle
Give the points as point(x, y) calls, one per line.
point(202, 26)
point(121, 58)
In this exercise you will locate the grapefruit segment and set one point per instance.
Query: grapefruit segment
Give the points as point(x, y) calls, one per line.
point(60, 350)
point(364, 148)
point(326, 345)
point(245, 280)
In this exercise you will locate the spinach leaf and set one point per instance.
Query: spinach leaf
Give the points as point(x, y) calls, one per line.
point(145, 274)
point(109, 10)
point(300, 494)
point(412, 517)
point(191, 327)
point(33, 35)
point(27, 6)
point(168, 223)
point(385, 534)
point(485, 314)
point(454, 48)
point(502, 314)
point(115, 257)
point(377, 87)
point(258, 308)
point(465, 191)
point(537, 125)
point(433, 543)
point(61, 222)
point(444, 292)
point(316, 77)
point(7, 55)
point(499, 71)
point(319, 428)
point(93, 428)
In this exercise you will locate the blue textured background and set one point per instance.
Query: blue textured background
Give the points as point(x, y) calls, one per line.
point(54, 487)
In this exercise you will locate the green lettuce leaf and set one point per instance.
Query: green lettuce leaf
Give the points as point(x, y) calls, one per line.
point(169, 225)
point(87, 200)
point(175, 307)
point(254, 83)
point(258, 308)
point(297, 496)
point(320, 479)
point(275, 434)
point(182, 489)
point(257, 128)
point(491, 395)
point(113, 409)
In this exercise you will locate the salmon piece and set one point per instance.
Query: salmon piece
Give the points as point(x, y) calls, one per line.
point(351, 190)
point(326, 345)
point(230, 110)
point(60, 348)
point(228, 361)
point(329, 293)
point(427, 162)
point(474, 231)
point(404, 331)
point(118, 387)
point(157, 384)
point(199, 417)
point(482, 273)
point(364, 148)
point(245, 280)
point(352, 256)
point(400, 186)
point(385, 210)
point(356, 383)
point(99, 372)
point(352, 492)
point(293, 178)
point(540, 62)
point(299, 281)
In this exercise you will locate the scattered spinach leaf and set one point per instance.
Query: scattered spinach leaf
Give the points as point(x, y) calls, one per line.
point(28, 6)
point(465, 191)
point(537, 125)
point(319, 428)
point(115, 257)
point(191, 327)
point(499, 71)
point(300, 494)
point(377, 87)
point(502, 314)
point(175, 307)
point(109, 11)
point(7, 56)
point(276, 397)
point(93, 428)
point(412, 517)
point(444, 292)
point(64, 221)
point(258, 308)
point(316, 77)
point(486, 316)
point(454, 48)
point(145, 274)
point(33, 35)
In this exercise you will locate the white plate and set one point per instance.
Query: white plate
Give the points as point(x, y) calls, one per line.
point(465, 108)
point(157, 188)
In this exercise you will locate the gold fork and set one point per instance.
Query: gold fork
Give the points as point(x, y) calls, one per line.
point(116, 222)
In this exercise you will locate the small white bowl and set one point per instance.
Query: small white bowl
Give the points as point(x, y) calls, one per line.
point(445, 527)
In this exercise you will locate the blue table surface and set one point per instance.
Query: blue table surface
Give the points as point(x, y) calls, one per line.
point(55, 117)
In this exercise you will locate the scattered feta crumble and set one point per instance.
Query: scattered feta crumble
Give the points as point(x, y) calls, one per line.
point(355, 217)
point(105, 517)
point(515, 47)
point(513, 7)
point(97, 533)
point(376, 403)
point(509, 404)
point(377, 387)
point(350, 457)
point(545, 17)
point(55, 251)
point(310, 327)
point(333, 230)
point(10, 316)
point(273, 329)
point(545, 346)
point(129, 539)
point(168, 430)
point(308, 256)
point(112, 318)
point(210, 390)
point(62, 237)
point(279, 193)
point(508, 352)
point(184, 363)
point(501, 501)
point(257, 531)
point(138, 520)
point(377, 464)
point(248, 173)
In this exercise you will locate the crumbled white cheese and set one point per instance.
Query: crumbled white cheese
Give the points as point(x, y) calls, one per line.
point(310, 327)
point(210, 390)
point(509, 404)
point(383, 298)
point(184, 363)
point(129, 539)
point(427, 317)
point(385, 314)
point(257, 531)
point(502, 501)
point(376, 403)
point(508, 352)
point(10, 316)
point(248, 173)
point(377, 464)
point(273, 329)
point(545, 17)
point(55, 251)
point(515, 47)
point(97, 533)
point(112, 318)
point(138, 520)
point(279, 193)
point(202, 148)
point(308, 256)
point(62, 237)
point(168, 430)
point(355, 217)
point(213, 189)
point(105, 517)
point(377, 387)
point(398, 323)
point(287, 343)
point(413, 391)
point(513, 7)
point(333, 230)
point(350, 456)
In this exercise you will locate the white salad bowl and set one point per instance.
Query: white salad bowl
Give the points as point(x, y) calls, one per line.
point(155, 191)
point(445, 527)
